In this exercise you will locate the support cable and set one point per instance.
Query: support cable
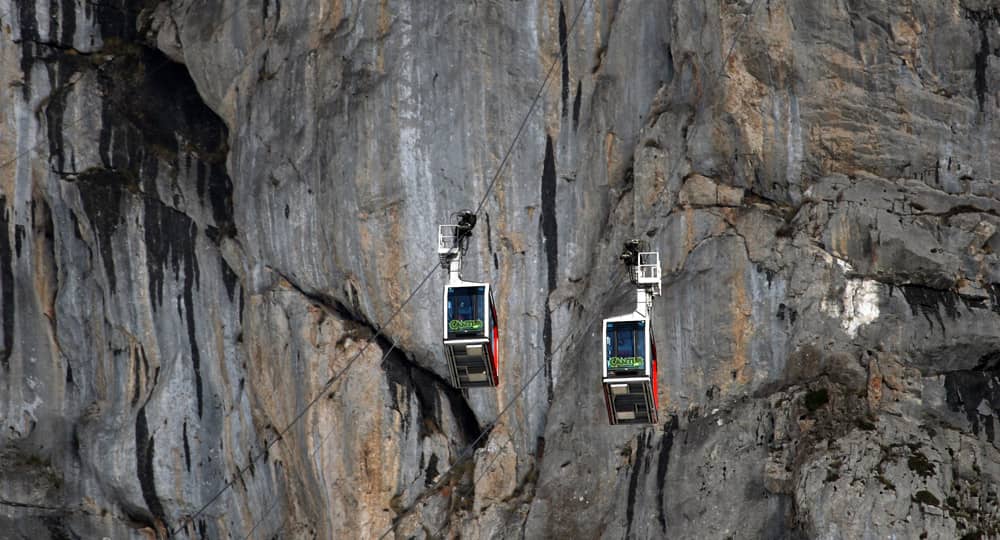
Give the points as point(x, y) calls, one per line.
point(326, 386)
point(534, 102)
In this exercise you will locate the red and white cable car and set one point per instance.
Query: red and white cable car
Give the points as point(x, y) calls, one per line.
point(629, 368)
point(471, 333)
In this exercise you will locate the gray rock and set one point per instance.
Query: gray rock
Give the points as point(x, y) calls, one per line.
point(210, 209)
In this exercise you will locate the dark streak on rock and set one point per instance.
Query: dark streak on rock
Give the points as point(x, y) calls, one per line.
point(489, 233)
point(145, 363)
point(966, 390)
point(18, 240)
point(666, 444)
point(6, 284)
point(190, 273)
point(61, 74)
point(200, 177)
point(67, 21)
point(550, 237)
point(76, 226)
point(171, 239)
point(431, 472)
point(229, 278)
point(74, 444)
point(102, 192)
point(187, 448)
point(576, 104)
point(220, 195)
point(135, 377)
point(564, 54)
point(427, 387)
point(44, 233)
point(928, 302)
point(633, 483)
point(982, 58)
point(29, 44)
point(144, 449)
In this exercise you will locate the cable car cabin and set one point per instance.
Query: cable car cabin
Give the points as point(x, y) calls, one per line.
point(471, 334)
point(630, 370)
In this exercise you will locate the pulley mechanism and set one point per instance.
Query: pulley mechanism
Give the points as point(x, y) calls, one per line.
point(453, 240)
point(630, 252)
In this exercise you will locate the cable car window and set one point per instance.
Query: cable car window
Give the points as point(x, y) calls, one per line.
point(466, 311)
point(626, 345)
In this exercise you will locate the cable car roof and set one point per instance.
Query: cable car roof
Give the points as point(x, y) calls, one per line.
point(459, 283)
point(635, 316)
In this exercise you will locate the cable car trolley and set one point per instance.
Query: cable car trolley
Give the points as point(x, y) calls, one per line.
point(629, 369)
point(470, 333)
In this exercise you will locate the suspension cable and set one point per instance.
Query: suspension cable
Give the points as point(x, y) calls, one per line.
point(468, 451)
point(326, 386)
point(489, 465)
point(534, 102)
point(312, 455)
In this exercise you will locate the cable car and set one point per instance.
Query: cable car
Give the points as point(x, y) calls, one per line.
point(471, 332)
point(629, 368)
point(630, 391)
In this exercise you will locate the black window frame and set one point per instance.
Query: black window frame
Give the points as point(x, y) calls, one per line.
point(613, 330)
point(480, 299)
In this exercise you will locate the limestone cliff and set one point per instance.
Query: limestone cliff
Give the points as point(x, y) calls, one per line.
point(211, 212)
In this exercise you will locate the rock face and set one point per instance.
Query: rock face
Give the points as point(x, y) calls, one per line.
point(220, 298)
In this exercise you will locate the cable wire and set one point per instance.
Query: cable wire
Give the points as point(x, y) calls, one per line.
point(534, 102)
point(326, 386)
point(469, 449)
point(479, 208)
point(487, 468)
point(312, 455)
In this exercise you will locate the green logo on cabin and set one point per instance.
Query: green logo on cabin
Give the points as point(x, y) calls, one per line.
point(465, 326)
point(616, 362)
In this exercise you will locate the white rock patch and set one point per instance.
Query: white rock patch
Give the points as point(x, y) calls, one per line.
point(858, 307)
point(860, 304)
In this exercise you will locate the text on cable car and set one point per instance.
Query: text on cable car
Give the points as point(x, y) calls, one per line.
point(472, 324)
point(625, 362)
